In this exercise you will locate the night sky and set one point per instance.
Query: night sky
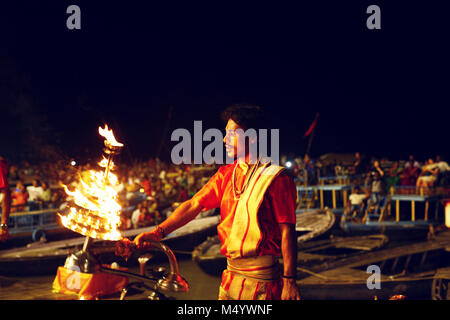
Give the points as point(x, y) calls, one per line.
point(382, 92)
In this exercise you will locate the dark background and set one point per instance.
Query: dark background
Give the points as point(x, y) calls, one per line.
point(381, 92)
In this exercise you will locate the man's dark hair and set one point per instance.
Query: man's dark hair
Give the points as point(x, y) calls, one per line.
point(246, 116)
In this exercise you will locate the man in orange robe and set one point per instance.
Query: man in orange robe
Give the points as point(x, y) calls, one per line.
point(257, 201)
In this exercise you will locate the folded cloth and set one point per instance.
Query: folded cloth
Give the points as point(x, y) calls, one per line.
point(255, 278)
point(87, 285)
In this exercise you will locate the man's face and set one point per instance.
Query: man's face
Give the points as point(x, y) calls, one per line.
point(232, 138)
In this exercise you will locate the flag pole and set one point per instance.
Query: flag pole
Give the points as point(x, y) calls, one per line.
point(311, 136)
point(308, 148)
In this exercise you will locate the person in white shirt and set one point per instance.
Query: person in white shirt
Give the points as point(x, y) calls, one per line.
point(136, 215)
point(35, 192)
point(442, 165)
point(412, 162)
point(356, 201)
point(428, 175)
point(443, 176)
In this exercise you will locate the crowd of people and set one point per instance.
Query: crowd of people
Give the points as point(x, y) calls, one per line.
point(373, 179)
point(163, 185)
point(407, 173)
point(152, 188)
point(400, 177)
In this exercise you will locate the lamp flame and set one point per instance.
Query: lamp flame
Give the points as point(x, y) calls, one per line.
point(109, 135)
point(98, 212)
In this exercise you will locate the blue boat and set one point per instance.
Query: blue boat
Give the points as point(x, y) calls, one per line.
point(37, 225)
point(34, 225)
point(415, 214)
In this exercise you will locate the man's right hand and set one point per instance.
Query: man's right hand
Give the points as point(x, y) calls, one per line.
point(145, 236)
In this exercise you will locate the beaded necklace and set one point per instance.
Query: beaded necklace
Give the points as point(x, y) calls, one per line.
point(237, 193)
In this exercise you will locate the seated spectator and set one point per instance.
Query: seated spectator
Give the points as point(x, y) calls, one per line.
point(46, 196)
point(58, 198)
point(356, 203)
point(441, 164)
point(393, 179)
point(443, 178)
point(135, 216)
point(132, 187)
point(151, 204)
point(147, 218)
point(412, 163)
point(154, 212)
point(162, 174)
point(19, 198)
point(409, 174)
point(428, 175)
point(158, 217)
point(169, 191)
point(34, 194)
point(125, 222)
point(182, 195)
point(145, 183)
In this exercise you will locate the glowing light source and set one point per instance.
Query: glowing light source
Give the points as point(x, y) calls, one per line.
point(109, 135)
point(288, 164)
point(73, 163)
point(98, 212)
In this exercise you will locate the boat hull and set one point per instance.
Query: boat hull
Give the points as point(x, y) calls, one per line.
point(410, 288)
point(44, 258)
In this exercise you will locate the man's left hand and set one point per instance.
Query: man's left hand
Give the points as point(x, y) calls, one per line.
point(290, 290)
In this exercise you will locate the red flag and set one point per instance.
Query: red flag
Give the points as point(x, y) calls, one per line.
point(312, 126)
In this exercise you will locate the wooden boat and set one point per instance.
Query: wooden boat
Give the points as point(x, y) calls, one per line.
point(309, 225)
point(312, 224)
point(33, 225)
point(440, 286)
point(44, 258)
point(207, 255)
point(327, 250)
point(407, 270)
